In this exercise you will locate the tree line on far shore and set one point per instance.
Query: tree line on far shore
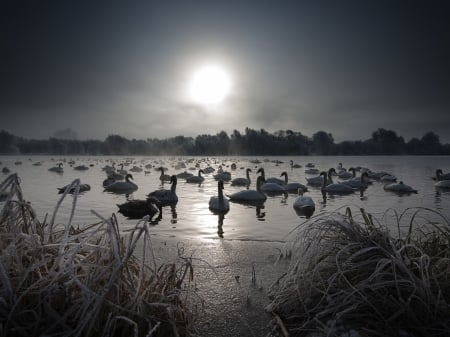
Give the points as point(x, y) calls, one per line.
point(250, 142)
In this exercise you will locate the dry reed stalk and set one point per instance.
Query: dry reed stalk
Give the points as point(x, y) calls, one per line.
point(353, 278)
point(66, 281)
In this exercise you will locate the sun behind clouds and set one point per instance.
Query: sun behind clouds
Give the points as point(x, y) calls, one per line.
point(210, 84)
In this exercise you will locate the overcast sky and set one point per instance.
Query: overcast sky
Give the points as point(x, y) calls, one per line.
point(123, 67)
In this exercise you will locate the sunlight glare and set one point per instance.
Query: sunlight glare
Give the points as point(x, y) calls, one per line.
point(209, 85)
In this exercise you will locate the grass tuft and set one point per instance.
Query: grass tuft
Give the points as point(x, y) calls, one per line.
point(351, 277)
point(62, 280)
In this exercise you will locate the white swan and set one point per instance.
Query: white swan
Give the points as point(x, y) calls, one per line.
point(108, 181)
point(441, 183)
point(122, 186)
point(242, 181)
point(218, 204)
point(388, 178)
point(137, 209)
point(198, 179)
point(81, 168)
point(304, 205)
point(163, 177)
point(318, 180)
point(399, 188)
point(358, 182)
point(294, 165)
point(57, 169)
point(292, 187)
point(136, 169)
point(272, 188)
point(270, 180)
point(222, 175)
point(167, 197)
point(344, 174)
point(312, 171)
point(250, 196)
point(443, 176)
point(335, 188)
point(82, 188)
point(122, 171)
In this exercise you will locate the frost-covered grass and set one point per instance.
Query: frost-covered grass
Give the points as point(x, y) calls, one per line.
point(66, 280)
point(350, 276)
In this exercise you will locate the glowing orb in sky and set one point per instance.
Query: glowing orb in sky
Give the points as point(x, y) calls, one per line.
point(210, 84)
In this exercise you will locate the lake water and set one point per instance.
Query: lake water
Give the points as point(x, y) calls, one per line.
point(191, 217)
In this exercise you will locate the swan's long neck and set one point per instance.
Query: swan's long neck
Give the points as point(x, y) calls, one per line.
point(174, 186)
point(330, 178)
point(259, 182)
point(324, 183)
point(263, 174)
point(248, 174)
point(353, 171)
point(162, 172)
point(200, 173)
point(220, 194)
point(285, 177)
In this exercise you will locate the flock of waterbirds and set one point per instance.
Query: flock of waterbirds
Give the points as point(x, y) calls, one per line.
point(119, 179)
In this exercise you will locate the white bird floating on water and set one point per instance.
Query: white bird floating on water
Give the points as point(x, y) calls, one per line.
point(335, 188)
point(440, 182)
point(443, 176)
point(218, 204)
point(270, 180)
point(242, 181)
point(250, 196)
point(222, 175)
point(318, 180)
point(57, 169)
point(126, 186)
point(291, 187)
point(82, 188)
point(163, 177)
point(294, 165)
point(399, 188)
point(137, 209)
point(304, 205)
point(358, 182)
point(198, 179)
point(167, 197)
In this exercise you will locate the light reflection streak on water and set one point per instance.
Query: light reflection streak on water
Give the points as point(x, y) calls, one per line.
point(191, 216)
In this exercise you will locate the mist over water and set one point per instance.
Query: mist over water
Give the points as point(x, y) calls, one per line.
point(191, 217)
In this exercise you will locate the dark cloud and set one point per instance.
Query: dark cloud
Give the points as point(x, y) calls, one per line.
point(347, 67)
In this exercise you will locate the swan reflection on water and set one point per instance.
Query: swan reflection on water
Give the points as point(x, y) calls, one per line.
point(220, 232)
point(173, 211)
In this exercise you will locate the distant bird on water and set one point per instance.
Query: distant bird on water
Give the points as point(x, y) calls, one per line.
point(304, 205)
point(82, 188)
point(167, 197)
point(218, 204)
point(126, 186)
point(137, 209)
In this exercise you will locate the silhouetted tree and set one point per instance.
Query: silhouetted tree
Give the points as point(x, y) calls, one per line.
point(117, 144)
point(252, 142)
point(386, 142)
point(322, 143)
point(8, 143)
point(431, 144)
